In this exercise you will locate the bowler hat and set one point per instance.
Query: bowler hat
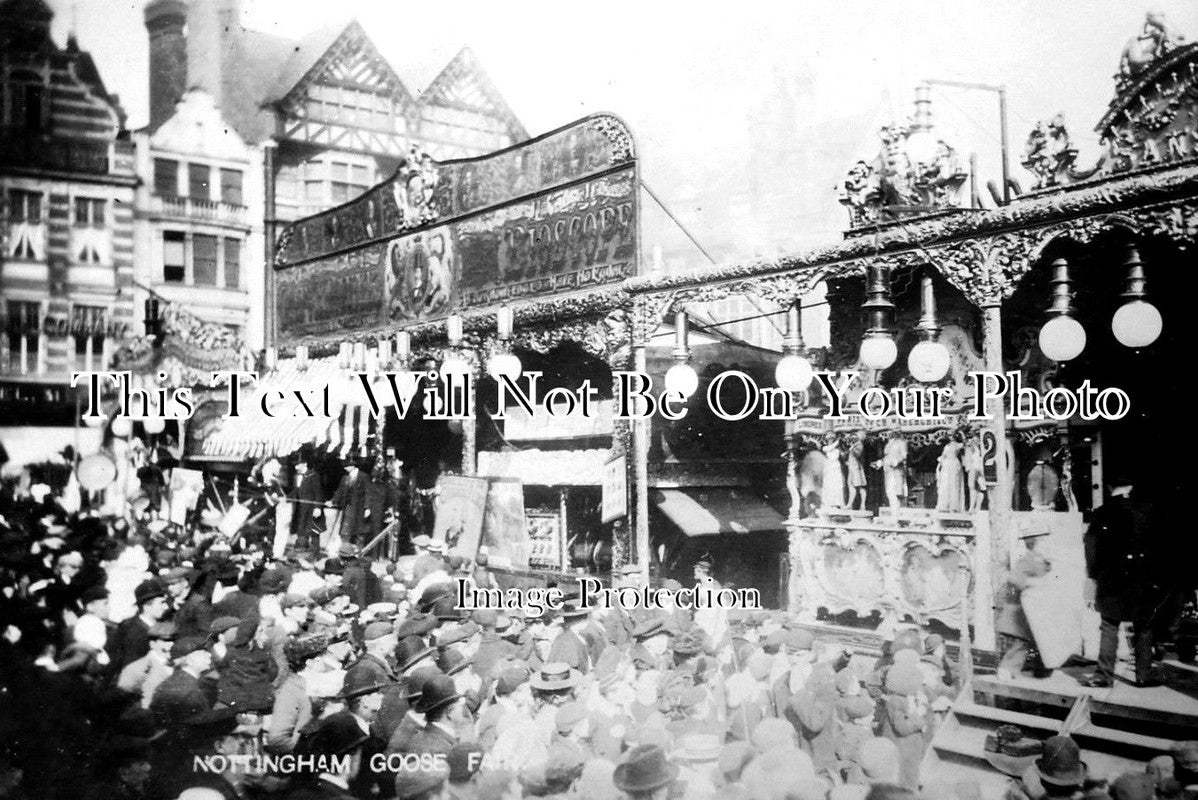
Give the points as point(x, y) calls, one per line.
point(644, 769)
point(416, 625)
point(452, 662)
point(446, 609)
point(1061, 764)
point(93, 593)
point(222, 624)
point(420, 783)
point(414, 683)
point(147, 590)
point(432, 594)
point(510, 679)
point(554, 676)
point(409, 651)
point(359, 682)
point(337, 735)
point(438, 691)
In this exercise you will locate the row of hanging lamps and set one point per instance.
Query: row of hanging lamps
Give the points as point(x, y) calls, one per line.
point(1062, 338)
point(928, 360)
point(793, 372)
point(504, 363)
point(878, 348)
point(1137, 323)
point(681, 379)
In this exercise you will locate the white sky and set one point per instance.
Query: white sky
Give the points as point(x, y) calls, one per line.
point(686, 74)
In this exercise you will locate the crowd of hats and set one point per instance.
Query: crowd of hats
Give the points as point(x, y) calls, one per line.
point(589, 704)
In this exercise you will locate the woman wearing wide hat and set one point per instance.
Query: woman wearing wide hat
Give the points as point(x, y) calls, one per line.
point(645, 773)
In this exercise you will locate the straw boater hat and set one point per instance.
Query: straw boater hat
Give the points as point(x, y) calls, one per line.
point(555, 676)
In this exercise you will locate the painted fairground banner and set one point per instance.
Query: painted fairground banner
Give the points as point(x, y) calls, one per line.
point(550, 216)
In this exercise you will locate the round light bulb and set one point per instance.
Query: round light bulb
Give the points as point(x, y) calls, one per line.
point(1137, 324)
point(1062, 338)
point(922, 146)
point(878, 352)
point(504, 365)
point(928, 361)
point(682, 379)
point(345, 392)
point(793, 373)
point(454, 366)
point(94, 422)
point(154, 425)
point(122, 427)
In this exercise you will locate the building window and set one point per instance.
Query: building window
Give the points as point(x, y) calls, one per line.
point(232, 263)
point(26, 234)
point(23, 330)
point(286, 183)
point(230, 186)
point(166, 178)
point(88, 239)
point(87, 328)
point(203, 260)
point(24, 206)
point(89, 212)
point(174, 257)
point(199, 178)
point(348, 180)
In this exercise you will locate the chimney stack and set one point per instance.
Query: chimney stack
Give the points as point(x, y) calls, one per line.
point(166, 21)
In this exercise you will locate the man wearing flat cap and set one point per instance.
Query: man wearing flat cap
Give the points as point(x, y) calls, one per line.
point(183, 694)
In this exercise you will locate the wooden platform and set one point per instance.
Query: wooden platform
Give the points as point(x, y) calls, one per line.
point(1118, 728)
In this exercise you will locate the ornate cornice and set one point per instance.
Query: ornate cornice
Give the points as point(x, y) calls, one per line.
point(1154, 202)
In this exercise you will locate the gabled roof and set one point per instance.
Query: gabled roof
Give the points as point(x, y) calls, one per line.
point(450, 87)
point(419, 73)
point(319, 49)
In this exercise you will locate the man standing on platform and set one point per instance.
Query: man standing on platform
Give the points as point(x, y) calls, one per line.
point(1124, 578)
point(350, 499)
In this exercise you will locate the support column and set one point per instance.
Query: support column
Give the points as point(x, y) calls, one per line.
point(640, 450)
point(269, 332)
point(563, 520)
point(470, 426)
point(999, 496)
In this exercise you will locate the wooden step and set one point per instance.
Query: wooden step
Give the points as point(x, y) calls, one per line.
point(966, 708)
point(1153, 743)
point(1140, 707)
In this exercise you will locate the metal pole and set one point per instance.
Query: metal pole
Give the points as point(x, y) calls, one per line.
point(1006, 170)
point(268, 235)
point(640, 449)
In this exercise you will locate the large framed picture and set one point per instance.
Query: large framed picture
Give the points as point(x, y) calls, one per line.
point(461, 505)
point(504, 527)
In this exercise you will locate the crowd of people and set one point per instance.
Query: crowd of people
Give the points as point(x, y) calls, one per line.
point(145, 660)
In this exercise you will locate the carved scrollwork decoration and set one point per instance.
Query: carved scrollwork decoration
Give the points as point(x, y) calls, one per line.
point(646, 313)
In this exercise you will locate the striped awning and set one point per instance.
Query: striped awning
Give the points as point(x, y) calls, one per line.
point(254, 434)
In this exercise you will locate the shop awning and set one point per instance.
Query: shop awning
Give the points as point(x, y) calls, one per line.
point(254, 435)
point(705, 512)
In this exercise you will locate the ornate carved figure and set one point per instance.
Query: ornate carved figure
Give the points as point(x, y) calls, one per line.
point(856, 464)
point(975, 476)
point(1155, 40)
point(950, 484)
point(832, 495)
point(893, 464)
point(1049, 153)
